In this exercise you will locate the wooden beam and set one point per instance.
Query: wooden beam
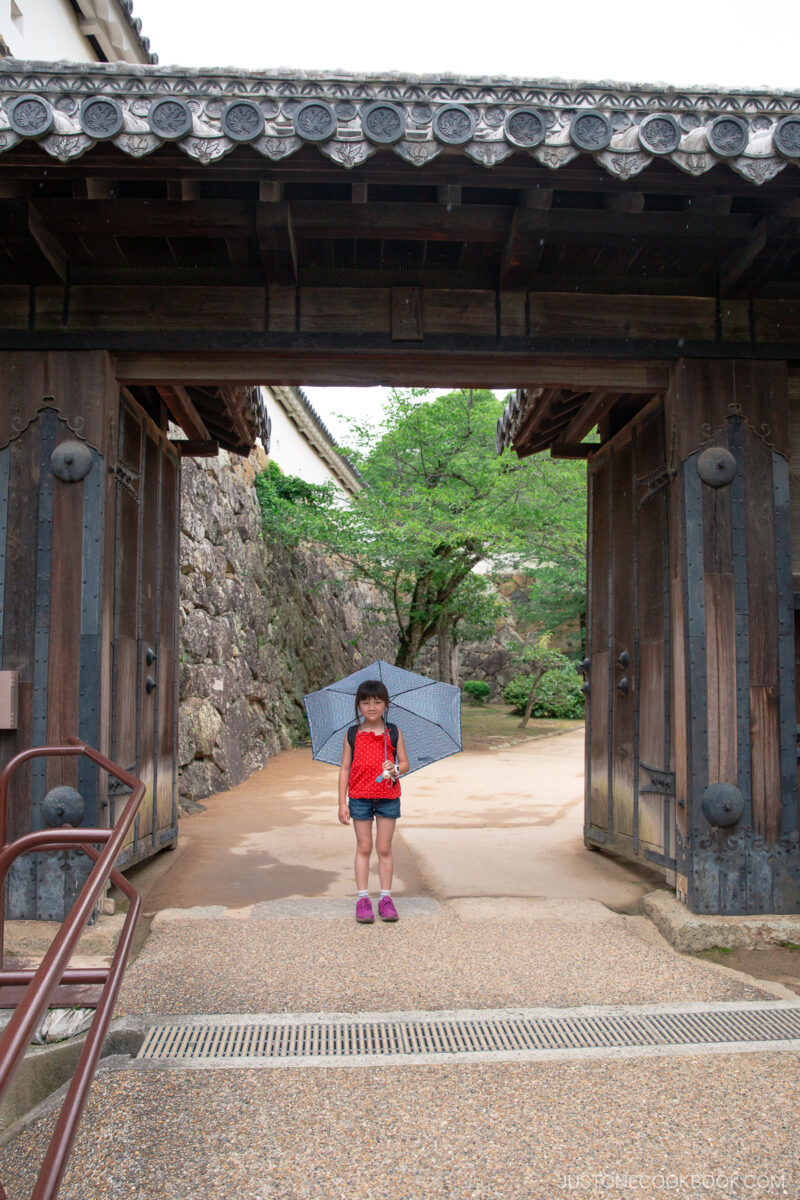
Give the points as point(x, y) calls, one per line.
point(233, 400)
point(276, 243)
point(407, 315)
point(50, 246)
point(772, 238)
point(184, 413)
point(599, 403)
point(562, 450)
point(29, 243)
point(523, 250)
point(449, 195)
point(398, 221)
point(193, 449)
point(401, 220)
point(624, 202)
point(388, 365)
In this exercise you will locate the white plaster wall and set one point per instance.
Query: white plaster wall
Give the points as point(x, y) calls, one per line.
point(36, 29)
point(292, 452)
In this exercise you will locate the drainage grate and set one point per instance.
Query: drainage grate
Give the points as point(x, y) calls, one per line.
point(269, 1040)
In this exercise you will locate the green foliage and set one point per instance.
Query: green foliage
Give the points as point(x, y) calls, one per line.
point(559, 694)
point(517, 691)
point(437, 501)
point(290, 505)
point(477, 691)
point(551, 687)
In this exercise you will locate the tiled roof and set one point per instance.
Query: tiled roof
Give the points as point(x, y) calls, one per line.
point(348, 118)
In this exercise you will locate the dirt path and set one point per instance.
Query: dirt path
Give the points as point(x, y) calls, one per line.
point(499, 823)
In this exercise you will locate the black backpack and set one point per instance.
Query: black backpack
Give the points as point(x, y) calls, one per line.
point(391, 729)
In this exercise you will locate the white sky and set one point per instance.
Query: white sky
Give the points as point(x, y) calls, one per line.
point(681, 42)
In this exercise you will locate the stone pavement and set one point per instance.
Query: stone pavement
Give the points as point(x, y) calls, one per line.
point(263, 924)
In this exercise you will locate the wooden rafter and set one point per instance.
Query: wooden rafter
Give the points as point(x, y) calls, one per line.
point(590, 413)
point(184, 412)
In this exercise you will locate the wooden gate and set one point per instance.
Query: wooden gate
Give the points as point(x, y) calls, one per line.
point(144, 655)
point(630, 772)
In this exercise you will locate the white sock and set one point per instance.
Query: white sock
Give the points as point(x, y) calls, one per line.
point(384, 893)
point(361, 895)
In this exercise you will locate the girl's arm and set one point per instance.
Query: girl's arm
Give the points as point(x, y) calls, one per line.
point(344, 779)
point(402, 756)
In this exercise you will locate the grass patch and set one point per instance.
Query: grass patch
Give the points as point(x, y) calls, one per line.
point(490, 726)
point(790, 945)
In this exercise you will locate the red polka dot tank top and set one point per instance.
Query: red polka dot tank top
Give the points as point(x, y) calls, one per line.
point(368, 759)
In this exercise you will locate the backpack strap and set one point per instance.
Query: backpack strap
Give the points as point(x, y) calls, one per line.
point(391, 729)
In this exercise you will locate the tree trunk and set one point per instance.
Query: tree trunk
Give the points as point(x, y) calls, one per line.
point(445, 652)
point(531, 697)
point(455, 663)
point(411, 642)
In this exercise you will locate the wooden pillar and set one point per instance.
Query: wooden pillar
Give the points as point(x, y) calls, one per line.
point(733, 669)
point(58, 417)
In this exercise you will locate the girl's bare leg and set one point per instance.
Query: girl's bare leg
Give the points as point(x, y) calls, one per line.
point(363, 851)
point(383, 844)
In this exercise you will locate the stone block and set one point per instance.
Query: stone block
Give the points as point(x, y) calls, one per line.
point(692, 932)
point(199, 725)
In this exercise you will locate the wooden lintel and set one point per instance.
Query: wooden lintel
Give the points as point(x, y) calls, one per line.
point(183, 412)
point(386, 365)
point(592, 411)
point(196, 449)
point(582, 374)
point(581, 450)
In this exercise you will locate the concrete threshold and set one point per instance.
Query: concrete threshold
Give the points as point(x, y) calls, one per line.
point(691, 933)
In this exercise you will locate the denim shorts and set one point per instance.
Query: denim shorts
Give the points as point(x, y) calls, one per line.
point(365, 810)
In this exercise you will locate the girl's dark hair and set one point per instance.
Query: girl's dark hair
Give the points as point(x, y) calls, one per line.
point(371, 687)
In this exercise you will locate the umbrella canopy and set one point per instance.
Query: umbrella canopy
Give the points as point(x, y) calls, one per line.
point(427, 713)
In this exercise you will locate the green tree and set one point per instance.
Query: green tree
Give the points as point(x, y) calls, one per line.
point(437, 502)
point(539, 658)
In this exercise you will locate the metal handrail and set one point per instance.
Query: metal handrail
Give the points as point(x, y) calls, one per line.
point(42, 983)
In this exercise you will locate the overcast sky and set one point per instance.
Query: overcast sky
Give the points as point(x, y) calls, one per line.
point(682, 42)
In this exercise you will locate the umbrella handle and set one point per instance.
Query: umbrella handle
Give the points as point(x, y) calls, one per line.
point(379, 778)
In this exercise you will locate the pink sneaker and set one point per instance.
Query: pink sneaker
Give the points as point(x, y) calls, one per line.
point(387, 910)
point(364, 913)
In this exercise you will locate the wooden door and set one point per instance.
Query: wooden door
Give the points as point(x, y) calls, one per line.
point(144, 682)
point(629, 789)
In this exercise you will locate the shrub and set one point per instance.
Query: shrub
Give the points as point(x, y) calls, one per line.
point(516, 692)
point(557, 695)
point(477, 691)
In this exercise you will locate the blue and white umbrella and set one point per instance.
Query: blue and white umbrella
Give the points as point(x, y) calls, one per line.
point(427, 713)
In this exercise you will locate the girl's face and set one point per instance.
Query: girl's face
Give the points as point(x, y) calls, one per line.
point(372, 708)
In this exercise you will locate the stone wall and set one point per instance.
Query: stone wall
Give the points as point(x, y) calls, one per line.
point(260, 625)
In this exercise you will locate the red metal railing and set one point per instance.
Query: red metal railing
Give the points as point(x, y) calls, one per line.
point(41, 984)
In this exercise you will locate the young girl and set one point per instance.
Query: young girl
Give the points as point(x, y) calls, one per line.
point(369, 774)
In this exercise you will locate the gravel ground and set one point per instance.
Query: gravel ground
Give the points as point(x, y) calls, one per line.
point(314, 965)
point(500, 1132)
